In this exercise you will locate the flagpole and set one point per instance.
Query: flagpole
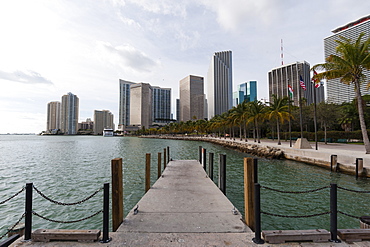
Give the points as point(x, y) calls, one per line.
point(314, 113)
point(300, 101)
point(290, 125)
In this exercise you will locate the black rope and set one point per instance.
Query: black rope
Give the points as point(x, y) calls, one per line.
point(295, 192)
point(349, 215)
point(295, 216)
point(13, 196)
point(66, 222)
point(11, 229)
point(68, 204)
point(355, 191)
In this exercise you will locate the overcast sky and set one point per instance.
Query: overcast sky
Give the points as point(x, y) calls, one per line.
point(49, 48)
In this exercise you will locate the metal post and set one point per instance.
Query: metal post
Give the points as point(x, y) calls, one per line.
point(164, 158)
point(159, 165)
point(315, 114)
point(147, 172)
point(106, 237)
point(28, 211)
point(200, 154)
point(168, 154)
point(333, 214)
point(333, 162)
point(255, 170)
point(210, 168)
point(257, 214)
point(205, 159)
point(222, 173)
point(359, 166)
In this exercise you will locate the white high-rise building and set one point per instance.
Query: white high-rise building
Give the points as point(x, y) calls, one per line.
point(124, 102)
point(141, 105)
point(69, 114)
point(220, 82)
point(338, 92)
point(161, 103)
point(53, 116)
point(102, 120)
point(192, 98)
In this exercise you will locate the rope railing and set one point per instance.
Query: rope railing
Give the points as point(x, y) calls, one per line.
point(64, 221)
point(355, 191)
point(295, 192)
point(13, 196)
point(295, 216)
point(13, 226)
point(68, 203)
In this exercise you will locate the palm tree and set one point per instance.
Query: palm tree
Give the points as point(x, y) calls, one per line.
point(239, 114)
point(349, 64)
point(256, 116)
point(278, 110)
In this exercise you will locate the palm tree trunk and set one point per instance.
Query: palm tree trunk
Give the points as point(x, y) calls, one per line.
point(278, 132)
point(325, 136)
point(365, 136)
point(240, 132)
point(245, 131)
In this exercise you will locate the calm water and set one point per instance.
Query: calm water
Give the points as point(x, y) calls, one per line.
point(69, 168)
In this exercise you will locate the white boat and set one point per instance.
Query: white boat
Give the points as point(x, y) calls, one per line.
point(108, 132)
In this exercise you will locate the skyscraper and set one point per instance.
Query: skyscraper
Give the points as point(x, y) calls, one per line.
point(191, 98)
point(338, 92)
point(247, 91)
point(124, 102)
point(69, 114)
point(161, 105)
point(280, 77)
point(219, 81)
point(102, 120)
point(53, 116)
point(141, 104)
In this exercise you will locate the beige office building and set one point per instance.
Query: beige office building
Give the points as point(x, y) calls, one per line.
point(141, 105)
point(191, 98)
point(53, 117)
point(102, 120)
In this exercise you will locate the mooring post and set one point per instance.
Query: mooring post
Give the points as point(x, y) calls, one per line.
point(28, 212)
point(205, 159)
point(168, 154)
point(159, 165)
point(255, 170)
point(117, 193)
point(222, 173)
point(106, 237)
point(249, 192)
point(333, 162)
point(210, 167)
point(200, 154)
point(257, 214)
point(359, 166)
point(333, 214)
point(164, 158)
point(147, 172)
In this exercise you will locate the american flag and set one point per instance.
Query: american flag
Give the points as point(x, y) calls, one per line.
point(301, 82)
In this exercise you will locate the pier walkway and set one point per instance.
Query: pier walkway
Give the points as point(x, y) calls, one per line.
point(183, 208)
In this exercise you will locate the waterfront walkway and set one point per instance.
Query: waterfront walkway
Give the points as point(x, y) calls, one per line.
point(183, 208)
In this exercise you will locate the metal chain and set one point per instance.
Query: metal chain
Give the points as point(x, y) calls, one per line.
point(24, 214)
point(356, 191)
point(66, 222)
point(296, 216)
point(68, 204)
point(349, 215)
point(13, 196)
point(295, 192)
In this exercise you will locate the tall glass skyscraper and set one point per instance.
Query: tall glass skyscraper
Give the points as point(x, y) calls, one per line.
point(161, 105)
point(69, 114)
point(338, 92)
point(220, 83)
point(247, 91)
point(124, 102)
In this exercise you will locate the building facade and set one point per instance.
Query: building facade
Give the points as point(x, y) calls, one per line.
point(53, 117)
point(338, 92)
point(247, 92)
point(191, 98)
point(124, 102)
point(102, 120)
point(219, 82)
point(86, 125)
point(161, 103)
point(141, 105)
point(279, 79)
point(69, 114)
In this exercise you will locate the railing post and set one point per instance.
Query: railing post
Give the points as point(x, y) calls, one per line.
point(222, 173)
point(117, 193)
point(255, 170)
point(147, 172)
point(333, 162)
point(106, 237)
point(200, 154)
point(210, 168)
point(205, 159)
point(28, 211)
point(164, 158)
point(159, 165)
point(257, 214)
point(333, 214)
point(168, 154)
point(249, 192)
point(359, 166)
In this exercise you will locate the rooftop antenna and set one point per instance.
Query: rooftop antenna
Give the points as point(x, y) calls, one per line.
point(282, 54)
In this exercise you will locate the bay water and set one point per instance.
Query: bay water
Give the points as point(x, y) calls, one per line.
point(70, 168)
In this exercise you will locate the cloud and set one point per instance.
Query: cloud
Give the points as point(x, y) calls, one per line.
point(165, 7)
point(127, 56)
point(27, 77)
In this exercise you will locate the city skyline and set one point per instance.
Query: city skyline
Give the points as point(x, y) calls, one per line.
point(84, 48)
